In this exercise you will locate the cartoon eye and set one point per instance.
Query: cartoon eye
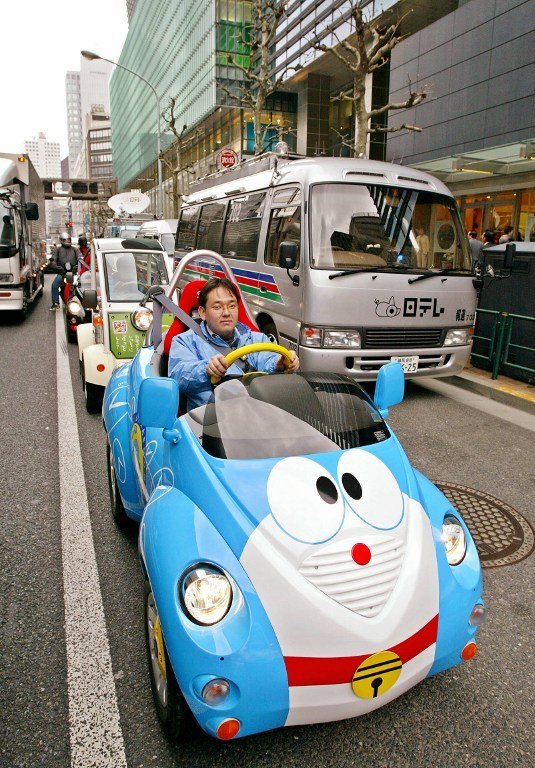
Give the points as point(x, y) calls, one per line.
point(305, 500)
point(370, 489)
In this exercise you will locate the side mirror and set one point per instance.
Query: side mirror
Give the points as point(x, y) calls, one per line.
point(90, 299)
point(389, 387)
point(510, 251)
point(288, 251)
point(32, 211)
point(157, 403)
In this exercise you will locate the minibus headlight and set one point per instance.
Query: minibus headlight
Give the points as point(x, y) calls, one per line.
point(341, 339)
point(454, 540)
point(206, 594)
point(311, 337)
point(142, 318)
point(457, 337)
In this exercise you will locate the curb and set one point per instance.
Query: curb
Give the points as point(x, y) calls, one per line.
point(481, 388)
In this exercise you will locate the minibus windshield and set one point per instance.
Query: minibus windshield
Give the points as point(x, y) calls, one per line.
point(356, 226)
point(129, 274)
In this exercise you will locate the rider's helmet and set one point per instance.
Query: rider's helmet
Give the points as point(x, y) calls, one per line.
point(65, 238)
point(82, 240)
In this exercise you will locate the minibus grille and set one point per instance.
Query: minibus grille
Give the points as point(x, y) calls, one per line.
point(363, 589)
point(402, 338)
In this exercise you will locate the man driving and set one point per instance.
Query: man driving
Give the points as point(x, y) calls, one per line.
point(194, 359)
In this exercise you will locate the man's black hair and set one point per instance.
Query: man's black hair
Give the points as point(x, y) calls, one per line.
point(212, 285)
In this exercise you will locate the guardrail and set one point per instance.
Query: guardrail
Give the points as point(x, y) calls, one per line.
point(501, 346)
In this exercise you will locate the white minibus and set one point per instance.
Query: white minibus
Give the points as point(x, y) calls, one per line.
point(163, 230)
point(351, 262)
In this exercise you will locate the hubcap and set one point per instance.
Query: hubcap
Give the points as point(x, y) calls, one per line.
point(156, 647)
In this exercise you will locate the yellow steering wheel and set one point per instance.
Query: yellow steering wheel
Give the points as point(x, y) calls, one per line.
point(261, 346)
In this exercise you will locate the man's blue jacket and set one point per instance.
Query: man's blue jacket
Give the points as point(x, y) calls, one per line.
point(189, 356)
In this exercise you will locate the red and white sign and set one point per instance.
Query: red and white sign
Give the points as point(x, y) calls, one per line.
point(227, 158)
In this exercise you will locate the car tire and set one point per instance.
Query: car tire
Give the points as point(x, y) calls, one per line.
point(72, 338)
point(116, 503)
point(94, 395)
point(270, 329)
point(173, 712)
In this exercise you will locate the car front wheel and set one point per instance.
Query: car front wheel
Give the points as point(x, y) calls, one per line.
point(94, 396)
point(116, 503)
point(173, 711)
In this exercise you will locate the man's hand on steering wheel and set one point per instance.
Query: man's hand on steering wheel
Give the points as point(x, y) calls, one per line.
point(217, 366)
point(284, 364)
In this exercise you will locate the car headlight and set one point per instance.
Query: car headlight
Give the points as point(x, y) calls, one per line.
point(74, 307)
point(454, 540)
point(330, 337)
point(142, 318)
point(206, 594)
point(457, 337)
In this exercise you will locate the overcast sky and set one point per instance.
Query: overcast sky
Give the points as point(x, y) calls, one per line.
point(40, 41)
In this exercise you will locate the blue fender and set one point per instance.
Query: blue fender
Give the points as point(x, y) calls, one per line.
point(116, 414)
point(242, 648)
point(460, 586)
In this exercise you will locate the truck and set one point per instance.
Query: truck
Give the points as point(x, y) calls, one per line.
point(21, 262)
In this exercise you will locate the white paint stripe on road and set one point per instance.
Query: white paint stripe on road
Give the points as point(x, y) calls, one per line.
point(96, 738)
point(514, 416)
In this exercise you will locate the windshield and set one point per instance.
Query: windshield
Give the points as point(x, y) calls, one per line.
point(7, 231)
point(268, 416)
point(357, 226)
point(128, 275)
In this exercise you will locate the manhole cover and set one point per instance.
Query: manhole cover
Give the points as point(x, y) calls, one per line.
point(501, 534)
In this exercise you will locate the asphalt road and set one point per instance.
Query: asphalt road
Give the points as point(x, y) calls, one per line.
point(478, 715)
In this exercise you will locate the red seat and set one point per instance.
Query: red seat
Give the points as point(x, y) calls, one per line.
point(189, 301)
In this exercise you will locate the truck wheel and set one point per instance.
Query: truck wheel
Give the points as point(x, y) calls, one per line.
point(173, 712)
point(94, 396)
point(270, 329)
point(116, 503)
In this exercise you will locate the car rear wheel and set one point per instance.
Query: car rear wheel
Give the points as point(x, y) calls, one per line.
point(116, 503)
point(173, 711)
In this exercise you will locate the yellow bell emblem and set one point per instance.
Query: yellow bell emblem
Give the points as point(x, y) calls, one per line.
point(376, 675)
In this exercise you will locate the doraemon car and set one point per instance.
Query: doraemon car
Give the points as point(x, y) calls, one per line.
point(298, 568)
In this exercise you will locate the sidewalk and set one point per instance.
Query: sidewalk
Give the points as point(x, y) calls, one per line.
point(518, 394)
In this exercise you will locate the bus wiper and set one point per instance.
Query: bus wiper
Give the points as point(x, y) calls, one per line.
point(362, 269)
point(425, 275)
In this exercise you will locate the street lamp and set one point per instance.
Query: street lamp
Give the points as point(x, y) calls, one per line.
point(90, 56)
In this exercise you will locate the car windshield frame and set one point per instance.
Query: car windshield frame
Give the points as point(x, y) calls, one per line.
point(359, 235)
point(136, 262)
point(263, 416)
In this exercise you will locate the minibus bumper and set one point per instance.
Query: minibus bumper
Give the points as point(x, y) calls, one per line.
point(364, 365)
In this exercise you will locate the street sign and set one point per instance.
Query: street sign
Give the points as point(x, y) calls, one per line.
point(227, 158)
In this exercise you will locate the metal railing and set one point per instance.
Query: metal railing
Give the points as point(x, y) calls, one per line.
point(500, 344)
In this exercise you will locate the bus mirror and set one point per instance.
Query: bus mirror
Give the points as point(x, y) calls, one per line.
point(510, 251)
point(32, 211)
point(288, 254)
point(89, 299)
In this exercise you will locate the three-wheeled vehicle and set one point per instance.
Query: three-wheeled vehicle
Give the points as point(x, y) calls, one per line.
point(121, 273)
point(298, 568)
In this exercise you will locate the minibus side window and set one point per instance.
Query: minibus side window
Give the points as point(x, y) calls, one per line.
point(284, 223)
point(242, 228)
point(187, 227)
point(211, 226)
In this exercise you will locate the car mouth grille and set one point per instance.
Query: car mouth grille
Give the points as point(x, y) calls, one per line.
point(402, 338)
point(363, 589)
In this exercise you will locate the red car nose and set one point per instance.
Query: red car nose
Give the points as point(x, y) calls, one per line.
point(361, 554)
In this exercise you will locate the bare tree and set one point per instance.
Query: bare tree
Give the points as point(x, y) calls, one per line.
point(173, 163)
point(259, 37)
point(369, 52)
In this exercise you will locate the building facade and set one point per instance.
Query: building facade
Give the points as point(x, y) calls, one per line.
point(45, 156)
point(73, 100)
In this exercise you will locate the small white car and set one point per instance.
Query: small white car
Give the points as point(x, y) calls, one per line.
point(114, 288)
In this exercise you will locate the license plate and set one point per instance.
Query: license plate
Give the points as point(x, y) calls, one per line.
point(408, 363)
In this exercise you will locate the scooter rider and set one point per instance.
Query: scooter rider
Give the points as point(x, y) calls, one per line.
point(65, 256)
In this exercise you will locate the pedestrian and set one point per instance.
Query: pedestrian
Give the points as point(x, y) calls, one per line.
point(506, 235)
point(423, 248)
point(192, 360)
point(66, 259)
point(476, 246)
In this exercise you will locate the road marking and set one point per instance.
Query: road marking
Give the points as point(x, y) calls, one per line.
point(96, 738)
point(480, 403)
